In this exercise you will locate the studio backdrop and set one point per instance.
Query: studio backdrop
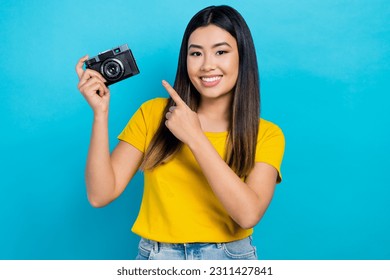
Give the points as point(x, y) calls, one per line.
point(325, 72)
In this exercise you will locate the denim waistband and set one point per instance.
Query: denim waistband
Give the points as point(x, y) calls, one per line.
point(238, 249)
point(157, 245)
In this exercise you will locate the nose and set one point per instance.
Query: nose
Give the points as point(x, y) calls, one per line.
point(208, 63)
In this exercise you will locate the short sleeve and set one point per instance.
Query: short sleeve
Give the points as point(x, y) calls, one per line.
point(143, 124)
point(270, 146)
point(135, 131)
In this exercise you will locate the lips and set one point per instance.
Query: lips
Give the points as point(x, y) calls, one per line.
point(210, 81)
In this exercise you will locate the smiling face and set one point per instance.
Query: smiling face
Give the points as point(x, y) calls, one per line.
point(212, 61)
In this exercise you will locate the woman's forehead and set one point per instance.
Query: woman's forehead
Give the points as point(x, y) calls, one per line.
point(210, 35)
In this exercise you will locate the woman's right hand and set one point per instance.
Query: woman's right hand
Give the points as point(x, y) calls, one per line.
point(91, 85)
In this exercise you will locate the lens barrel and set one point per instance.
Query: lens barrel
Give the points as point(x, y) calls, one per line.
point(112, 69)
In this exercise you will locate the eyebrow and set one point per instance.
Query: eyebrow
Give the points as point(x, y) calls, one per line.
point(214, 46)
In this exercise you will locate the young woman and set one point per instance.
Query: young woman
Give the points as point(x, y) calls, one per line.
point(210, 163)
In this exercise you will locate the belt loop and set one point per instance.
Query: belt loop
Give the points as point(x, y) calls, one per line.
point(219, 245)
point(156, 246)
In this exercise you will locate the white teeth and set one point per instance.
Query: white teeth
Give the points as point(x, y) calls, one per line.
point(211, 79)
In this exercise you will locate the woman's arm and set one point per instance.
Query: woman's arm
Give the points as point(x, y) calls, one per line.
point(106, 175)
point(246, 202)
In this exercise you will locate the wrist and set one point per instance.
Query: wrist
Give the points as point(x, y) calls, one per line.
point(100, 116)
point(197, 142)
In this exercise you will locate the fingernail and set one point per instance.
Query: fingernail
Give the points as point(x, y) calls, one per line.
point(164, 82)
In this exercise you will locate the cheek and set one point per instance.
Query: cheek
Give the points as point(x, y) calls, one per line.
point(235, 63)
point(191, 69)
point(189, 66)
point(234, 66)
point(190, 74)
point(231, 68)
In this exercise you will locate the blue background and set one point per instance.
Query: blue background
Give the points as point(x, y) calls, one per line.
point(325, 71)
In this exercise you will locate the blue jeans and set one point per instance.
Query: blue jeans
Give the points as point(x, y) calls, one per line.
point(236, 250)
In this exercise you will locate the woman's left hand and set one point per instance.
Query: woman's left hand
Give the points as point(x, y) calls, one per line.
point(181, 120)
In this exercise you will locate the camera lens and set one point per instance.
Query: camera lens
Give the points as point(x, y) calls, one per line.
point(112, 69)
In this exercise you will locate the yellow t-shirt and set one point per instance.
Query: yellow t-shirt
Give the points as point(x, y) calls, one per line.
point(178, 205)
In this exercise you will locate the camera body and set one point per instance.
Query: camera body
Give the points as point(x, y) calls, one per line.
point(115, 65)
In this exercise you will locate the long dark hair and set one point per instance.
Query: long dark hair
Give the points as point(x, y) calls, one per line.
point(245, 109)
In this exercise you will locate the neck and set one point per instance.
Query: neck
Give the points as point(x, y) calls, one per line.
point(214, 114)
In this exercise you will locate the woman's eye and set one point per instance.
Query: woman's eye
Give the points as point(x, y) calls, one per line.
point(195, 54)
point(221, 52)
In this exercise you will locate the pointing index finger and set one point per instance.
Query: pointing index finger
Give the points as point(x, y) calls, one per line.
point(173, 93)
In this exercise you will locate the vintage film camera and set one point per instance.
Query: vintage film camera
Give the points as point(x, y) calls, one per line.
point(115, 65)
